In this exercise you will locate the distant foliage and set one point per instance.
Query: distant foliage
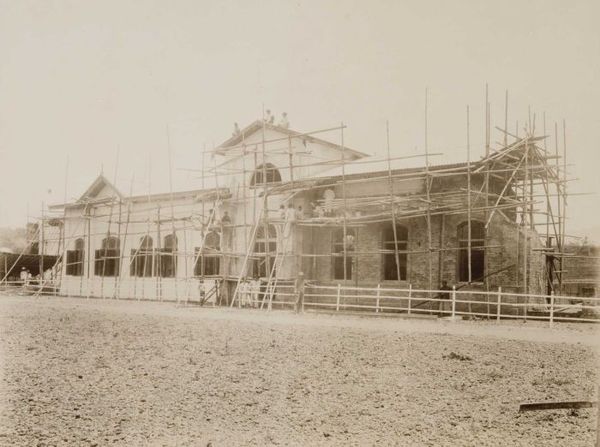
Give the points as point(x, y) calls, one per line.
point(13, 238)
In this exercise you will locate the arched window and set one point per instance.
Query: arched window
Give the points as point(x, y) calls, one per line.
point(265, 250)
point(341, 245)
point(107, 258)
point(266, 173)
point(477, 271)
point(168, 257)
point(142, 258)
point(208, 262)
point(395, 247)
point(75, 258)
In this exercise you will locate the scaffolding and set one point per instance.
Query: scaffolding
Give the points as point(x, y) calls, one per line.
point(509, 183)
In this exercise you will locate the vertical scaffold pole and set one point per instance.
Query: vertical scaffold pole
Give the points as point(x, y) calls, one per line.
point(392, 207)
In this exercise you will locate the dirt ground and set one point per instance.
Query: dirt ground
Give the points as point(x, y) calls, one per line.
point(91, 372)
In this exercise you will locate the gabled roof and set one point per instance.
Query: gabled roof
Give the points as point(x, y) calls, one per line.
point(100, 183)
point(89, 196)
point(258, 125)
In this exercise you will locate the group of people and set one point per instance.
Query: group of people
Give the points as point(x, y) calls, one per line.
point(27, 278)
point(252, 291)
point(316, 210)
point(249, 292)
point(290, 213)
point(269, 118)
point(321, 211)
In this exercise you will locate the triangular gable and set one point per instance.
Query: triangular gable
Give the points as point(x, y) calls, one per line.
point(97, 187)
point(258, 125)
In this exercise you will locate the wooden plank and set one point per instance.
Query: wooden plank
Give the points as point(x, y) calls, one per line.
point(557, 405)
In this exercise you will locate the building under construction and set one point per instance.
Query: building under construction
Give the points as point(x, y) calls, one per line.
point(273, 202)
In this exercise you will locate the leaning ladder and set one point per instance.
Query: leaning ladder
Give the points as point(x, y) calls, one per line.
point(276, 268)
point(211, 219)
point(248, 255)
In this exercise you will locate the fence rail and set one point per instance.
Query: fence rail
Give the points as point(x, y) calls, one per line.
point(492, 305)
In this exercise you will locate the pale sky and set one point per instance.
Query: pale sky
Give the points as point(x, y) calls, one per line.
point(85, 80)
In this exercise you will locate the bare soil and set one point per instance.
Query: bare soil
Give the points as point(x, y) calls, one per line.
point(92, 372)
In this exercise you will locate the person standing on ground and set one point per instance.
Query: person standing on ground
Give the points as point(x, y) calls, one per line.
point(444, 296)
point(299, 291)
point(23, 276)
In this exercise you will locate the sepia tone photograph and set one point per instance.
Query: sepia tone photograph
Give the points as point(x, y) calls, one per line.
point(299, 223)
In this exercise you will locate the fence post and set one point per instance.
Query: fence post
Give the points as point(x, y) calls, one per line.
point(409, 297)
point(378, 293)
point(337, 303)
point(499, 303)
point(551, 308)
point(453, 301)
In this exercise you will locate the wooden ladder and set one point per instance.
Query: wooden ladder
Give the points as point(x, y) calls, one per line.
point(276, 268)
point(247, 256)
point(211, 219)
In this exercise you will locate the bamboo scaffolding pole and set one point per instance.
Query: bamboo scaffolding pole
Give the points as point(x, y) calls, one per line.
point(428, 195)
point(245, 184)
point(104, 249)
point(175, 243)
point(487, 186)
point(159, 258)
point(559, 241)
point(469, 229)
point(524, 224)
point(392, 208)
point(507, 184)
point(265, 205)
point(90, 280)
point(122, 248)
point(545, 185)
point(564, 199)
point(344, 216)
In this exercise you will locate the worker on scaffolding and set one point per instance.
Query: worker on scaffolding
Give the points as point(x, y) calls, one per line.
point(290, 218)
point(226, 219)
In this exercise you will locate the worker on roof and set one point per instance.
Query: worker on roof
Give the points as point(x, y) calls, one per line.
point(284, 121)
point(268, 117)
point(236, 130)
